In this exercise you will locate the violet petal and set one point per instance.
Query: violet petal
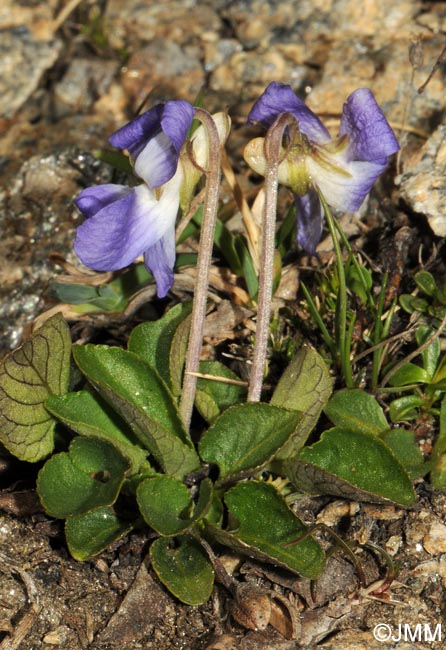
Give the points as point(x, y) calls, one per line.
point(93, 199)
point(309, 220)
point(134, 135)
point(370, 135)
point(160, 260)
point(279, 98)
point(346, 191)
point(123, 229)
point(154, 140)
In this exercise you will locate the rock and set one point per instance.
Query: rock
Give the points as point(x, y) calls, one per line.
point(33, 226)
point(83, 83)
point(165, 70)
point(434, 541)
point(133, 23)
point(422, 184)
point(23, 61)
point(144, 605)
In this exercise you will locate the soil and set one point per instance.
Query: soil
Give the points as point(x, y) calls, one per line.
point(73, 74)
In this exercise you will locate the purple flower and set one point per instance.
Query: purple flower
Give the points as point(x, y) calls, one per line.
point(343, 169)
point(123, 222)
point(126, 222)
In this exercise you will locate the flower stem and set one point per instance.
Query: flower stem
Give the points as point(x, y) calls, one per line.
point(272, 149)
point(341, 303)
point(203, 266)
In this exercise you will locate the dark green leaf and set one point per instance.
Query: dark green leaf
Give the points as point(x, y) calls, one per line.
point(88, 476)
point(39, 368)
point(438, 458)
point(357, 410)
point(405, 408)
point(261, 526)
point(426, 282)
point(247, 436)
point(177, 356)
point(305, 386)
point(404, 446)
point(432, 353)
point(249, 273)
point(114, 159)
point(212, 396)
point(408, 374)
point(89, 415)
point(185, 570)
point(89, 534)
point(151, 341)
point(139, 395)
point(353, 465)
point(166, 505)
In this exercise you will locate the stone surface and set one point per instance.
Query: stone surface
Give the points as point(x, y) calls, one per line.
point(23, 61)
point(423, 181)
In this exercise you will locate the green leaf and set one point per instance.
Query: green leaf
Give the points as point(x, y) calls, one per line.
point(426, 282)
point(166, 505)
point(440, 374)
point(261, 526)
point(438, 458)
point(249, 273)
point(405, 408)
point(37, 369)
point(354, 465)
point(90, 475)
point(90, 533)
point(213, 397)
point(185, 570)
point(152, 341)
point(139, 395)
point(408, 374)
point(247, 436)
point(111, 297)
point(357, 410)
point(432, 353)
point(89, 415)
point(114, 159)
point(177, 356)
point(404, 446)
point(305, 386)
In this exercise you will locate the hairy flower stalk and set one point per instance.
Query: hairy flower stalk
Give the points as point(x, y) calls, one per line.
point(272, 150)
point(213, 172)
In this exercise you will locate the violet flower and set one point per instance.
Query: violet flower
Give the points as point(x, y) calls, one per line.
point(343, 169)
point(126, 222)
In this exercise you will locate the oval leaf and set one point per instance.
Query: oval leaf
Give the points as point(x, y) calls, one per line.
point(305, 386)
point(355, 409)
point(89, 534)
point(139, 395)
point(90, 475)
point(213, 396)
point(166, 504)
point(265, 524)
point(246, 437)
point(37, 369)
point(185, 570)
point(89, 415)
point(152, 341)
point(354, 465)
